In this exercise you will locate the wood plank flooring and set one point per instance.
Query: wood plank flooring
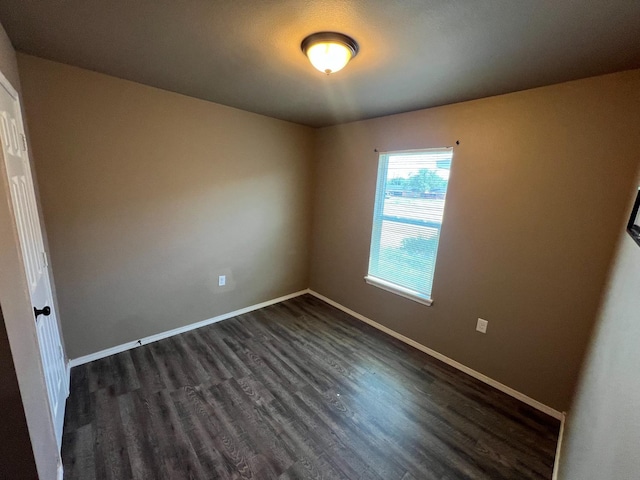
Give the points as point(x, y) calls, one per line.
point(295, 390)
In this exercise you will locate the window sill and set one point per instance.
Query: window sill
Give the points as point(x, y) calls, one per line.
point(403, 292)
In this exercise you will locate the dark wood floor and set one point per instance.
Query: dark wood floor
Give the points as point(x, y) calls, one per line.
point(295, 390)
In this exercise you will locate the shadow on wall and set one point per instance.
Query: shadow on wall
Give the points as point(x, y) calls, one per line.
point(603, 432)
point(16, 455)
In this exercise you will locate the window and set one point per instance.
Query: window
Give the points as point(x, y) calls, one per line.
point(407, 219)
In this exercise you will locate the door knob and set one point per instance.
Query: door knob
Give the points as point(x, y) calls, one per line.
point(46, 311)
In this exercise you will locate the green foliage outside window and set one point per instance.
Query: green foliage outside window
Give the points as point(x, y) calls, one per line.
point(424, 181)
point(412, 257)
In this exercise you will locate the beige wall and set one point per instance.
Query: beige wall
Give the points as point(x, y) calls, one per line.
point(603, 432)
point(149, 195)
point(538, 188)
point(31, 402)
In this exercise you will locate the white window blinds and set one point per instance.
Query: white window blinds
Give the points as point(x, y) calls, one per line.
point(407, 219)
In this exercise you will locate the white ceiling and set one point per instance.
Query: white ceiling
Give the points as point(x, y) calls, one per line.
point(413, 53)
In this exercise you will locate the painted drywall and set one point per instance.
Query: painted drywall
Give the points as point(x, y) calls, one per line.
point(538, 188)
point(149, 196)
point(21, 338)
point(603, 431)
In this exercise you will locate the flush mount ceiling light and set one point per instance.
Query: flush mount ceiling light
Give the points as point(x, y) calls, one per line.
point(329, 52)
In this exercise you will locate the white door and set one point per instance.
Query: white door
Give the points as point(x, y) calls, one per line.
point(25, 211)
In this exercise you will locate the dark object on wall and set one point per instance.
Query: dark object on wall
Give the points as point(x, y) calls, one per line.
point(633, 227)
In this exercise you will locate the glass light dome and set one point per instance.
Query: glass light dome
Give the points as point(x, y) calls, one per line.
point(329, 52)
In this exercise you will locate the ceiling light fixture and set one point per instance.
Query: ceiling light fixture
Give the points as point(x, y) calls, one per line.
point(329, 52)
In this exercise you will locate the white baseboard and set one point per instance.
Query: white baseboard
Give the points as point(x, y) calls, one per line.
point(556, 462)
point(463, 368)
point(176, 331)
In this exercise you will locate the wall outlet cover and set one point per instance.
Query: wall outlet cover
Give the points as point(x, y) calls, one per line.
point(222, 280)
point(481, 326)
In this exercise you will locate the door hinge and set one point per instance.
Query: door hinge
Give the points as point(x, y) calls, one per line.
point(45, 259)
point(24, 142)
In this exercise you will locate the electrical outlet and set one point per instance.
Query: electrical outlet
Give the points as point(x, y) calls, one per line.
point(222, 280)
point(481, 326)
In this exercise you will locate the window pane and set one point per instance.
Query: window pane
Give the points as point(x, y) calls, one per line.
point(408, 216)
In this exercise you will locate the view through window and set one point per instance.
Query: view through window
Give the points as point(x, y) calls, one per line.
point(407, 219)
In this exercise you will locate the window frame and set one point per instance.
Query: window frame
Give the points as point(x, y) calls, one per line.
point(633, 227)
point(376, 227)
